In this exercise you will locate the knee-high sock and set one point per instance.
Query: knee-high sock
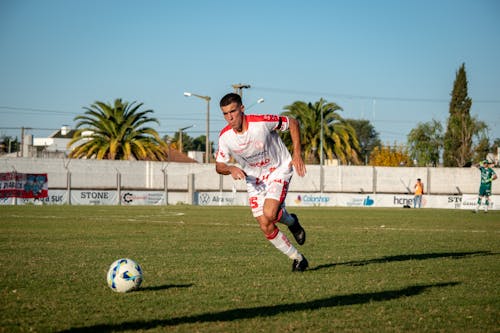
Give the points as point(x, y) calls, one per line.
point(281, 242)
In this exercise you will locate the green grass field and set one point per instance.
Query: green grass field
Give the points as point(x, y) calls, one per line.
point(209, 269)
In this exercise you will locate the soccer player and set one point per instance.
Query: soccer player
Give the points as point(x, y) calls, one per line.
point(487, 176)
point(267, 167)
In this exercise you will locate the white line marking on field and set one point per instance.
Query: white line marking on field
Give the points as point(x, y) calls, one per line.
point(382, 227)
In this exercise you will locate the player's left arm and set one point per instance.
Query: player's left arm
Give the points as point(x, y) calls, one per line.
point(297, 161)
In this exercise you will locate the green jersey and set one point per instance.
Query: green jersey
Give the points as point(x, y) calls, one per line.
point(486, 174)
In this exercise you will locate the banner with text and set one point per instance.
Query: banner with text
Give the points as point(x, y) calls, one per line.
point(23, 185)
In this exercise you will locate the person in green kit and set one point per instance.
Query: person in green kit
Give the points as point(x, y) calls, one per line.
point(487, 176)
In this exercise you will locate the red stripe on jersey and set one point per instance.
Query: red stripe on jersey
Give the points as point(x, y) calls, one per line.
point(224, 130)
point(265, 117)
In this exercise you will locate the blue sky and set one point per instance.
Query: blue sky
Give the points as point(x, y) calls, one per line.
point(390, 62)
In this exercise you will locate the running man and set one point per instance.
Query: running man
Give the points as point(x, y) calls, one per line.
point(267, 167)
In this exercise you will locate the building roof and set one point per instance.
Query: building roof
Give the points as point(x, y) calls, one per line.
point(177, 156)
point(59, 134)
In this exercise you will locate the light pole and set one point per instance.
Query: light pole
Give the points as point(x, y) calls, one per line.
point(180, 136)
point(321, 171)
point(207, 143)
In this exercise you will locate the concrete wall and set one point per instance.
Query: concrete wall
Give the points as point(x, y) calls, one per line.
point(143, 175)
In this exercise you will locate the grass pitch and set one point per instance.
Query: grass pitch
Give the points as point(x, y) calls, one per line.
point(209, 269)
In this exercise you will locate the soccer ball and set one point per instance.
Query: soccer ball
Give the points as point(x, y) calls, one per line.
point(124, 275)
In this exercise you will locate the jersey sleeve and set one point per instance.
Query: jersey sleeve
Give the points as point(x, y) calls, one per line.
point(276, 123)
point(223, 154)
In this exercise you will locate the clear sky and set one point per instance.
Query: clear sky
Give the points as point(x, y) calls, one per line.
point(390, 62)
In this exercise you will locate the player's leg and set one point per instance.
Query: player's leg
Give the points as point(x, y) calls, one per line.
point(487, 194)
point(277, 189)
point(276, 237)
point(281, 242)
point(272, 232)
point(482, 193)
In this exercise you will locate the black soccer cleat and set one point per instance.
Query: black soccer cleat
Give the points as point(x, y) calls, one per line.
point(300, 266)
point(297, 231)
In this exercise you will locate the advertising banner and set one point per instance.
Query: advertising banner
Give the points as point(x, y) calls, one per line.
point(133, 198)
point(221, 198)
point(55, 197)
point(94, 197)
point(23, 185)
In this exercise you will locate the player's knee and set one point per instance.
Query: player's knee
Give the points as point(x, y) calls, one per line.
point(271, 215)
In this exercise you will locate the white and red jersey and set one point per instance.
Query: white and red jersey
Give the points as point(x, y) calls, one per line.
point(259, 150)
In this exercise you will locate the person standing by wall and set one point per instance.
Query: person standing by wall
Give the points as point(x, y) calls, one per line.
point(419, 191)
point(488, 175)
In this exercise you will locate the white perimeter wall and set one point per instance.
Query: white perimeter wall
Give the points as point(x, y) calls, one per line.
point(183, 177)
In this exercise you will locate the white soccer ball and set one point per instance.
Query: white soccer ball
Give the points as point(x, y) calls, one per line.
point(124, 275)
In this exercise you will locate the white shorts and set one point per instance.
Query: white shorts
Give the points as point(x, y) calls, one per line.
point(273, 186)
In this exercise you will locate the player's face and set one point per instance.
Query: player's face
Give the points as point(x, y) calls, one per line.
point(233, 113)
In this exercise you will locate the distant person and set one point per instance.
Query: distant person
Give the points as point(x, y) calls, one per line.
point(487, 176)
point(267, 167)
point(419, 191)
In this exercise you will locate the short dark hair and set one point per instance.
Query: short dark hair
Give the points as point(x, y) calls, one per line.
point(230, 98)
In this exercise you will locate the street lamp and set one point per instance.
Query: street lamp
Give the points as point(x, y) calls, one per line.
point(260, 100)
point(321, 171)
point(207, 143)
point(180, 136)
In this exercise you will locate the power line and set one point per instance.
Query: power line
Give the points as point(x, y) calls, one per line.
point(365, 97)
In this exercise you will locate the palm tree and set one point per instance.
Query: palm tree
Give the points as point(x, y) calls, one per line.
point(117, 132)
point(339, 138)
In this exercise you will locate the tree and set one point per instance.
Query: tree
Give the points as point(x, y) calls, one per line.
point(117, 132)
point(368, 137)
point(481, 139)
point(339, 138)
point(9, 144)
point(425, 143)
point(460, 130)
point(385, 155)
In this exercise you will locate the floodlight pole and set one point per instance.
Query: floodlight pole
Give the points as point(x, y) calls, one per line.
point(321, 171)
point(207, 143)
point(180, 137)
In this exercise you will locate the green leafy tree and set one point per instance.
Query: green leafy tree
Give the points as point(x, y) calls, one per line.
point(482, 141)
point(339, 138)
point(199, 143)
point(368, 137)
point(117, 131)
point(458, 149)
point(8, 142)
point(426, 142)
point(386, 155)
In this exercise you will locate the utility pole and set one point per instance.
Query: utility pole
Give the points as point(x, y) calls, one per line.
point(22, 142)
point(238, 88)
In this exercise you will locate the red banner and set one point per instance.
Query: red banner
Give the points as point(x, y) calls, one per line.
point(24, 185)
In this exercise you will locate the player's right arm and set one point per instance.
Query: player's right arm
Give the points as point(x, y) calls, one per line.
point(226, 169)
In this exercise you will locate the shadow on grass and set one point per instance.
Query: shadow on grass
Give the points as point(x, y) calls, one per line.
point(164, 287)
point(265, 311)
point(405, 257)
